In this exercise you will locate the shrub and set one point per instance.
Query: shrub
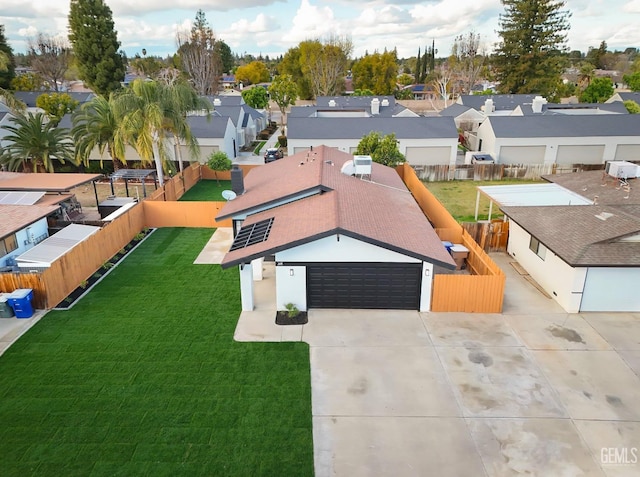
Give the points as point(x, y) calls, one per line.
point(282, 140)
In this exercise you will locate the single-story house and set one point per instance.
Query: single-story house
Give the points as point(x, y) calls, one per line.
point(465, 117)
point(586, 257)
point(352, 107)
point(625, 96)
point(498, 104)
point(342, 234)
point(247, 120)
point(574, 109)
point(422, 140)
point(29, 98)
point(560, 139)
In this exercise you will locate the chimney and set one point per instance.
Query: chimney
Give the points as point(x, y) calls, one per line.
point(237, 180)
point(488, 106)
point(217, 102)
point(538, 101)
point(385, 102)
point(375, 106)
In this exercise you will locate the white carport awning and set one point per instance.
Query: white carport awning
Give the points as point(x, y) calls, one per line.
point(529, 195)
point(54, 247)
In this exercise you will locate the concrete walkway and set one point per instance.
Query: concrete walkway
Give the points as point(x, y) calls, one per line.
point(532, 391)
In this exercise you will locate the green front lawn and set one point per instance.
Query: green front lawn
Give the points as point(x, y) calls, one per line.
point(459, 197)
point(207, 190)
point(142, 377)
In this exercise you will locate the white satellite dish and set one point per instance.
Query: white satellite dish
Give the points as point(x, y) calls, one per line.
point(228, 194)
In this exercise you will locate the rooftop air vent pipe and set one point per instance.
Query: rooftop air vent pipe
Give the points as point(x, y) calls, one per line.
point(237, 180)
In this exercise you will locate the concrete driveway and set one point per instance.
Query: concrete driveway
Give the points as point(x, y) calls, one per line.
point(532, 391)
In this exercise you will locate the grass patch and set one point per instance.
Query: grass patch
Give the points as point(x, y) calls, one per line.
point(207, 190)
point(258, 148)
point(459, 197)
point(143, 377)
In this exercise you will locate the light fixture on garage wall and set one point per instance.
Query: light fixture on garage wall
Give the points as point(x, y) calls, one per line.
point(291, 272)
point(426, 272)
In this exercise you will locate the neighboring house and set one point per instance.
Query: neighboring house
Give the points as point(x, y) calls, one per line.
point(21, 228)
point(587, 257)
point(496, 104)
point(30, 97)
point(423, 140)
point(574, 109)
point(559, 139)
point(621, 97)
point(352, 107)
point(247, 120)
point(216, 133)
point(422, 91)
point(228, 81)
point(465, 117)
point(338, 240)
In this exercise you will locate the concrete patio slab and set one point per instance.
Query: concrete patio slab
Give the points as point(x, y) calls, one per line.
point(499, 382)
point(394, 446)
point(556, 332)
point(593, 385)
point(621, 330)
point(216, 248)
point(615, 445)
point(469, 330)
point(379, 381)
point(261, 326)
point(543, 447)
point(13, 328)
point(632, 358)
point(365, 328)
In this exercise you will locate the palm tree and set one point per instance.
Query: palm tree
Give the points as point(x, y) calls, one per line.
point(96, 125)
point(182, 99)
point(146, 109)
point(16, 106)
point(35, 140)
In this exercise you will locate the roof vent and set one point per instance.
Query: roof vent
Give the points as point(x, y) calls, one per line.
point(362, 165)
point(375, 106)
point(332, 103)
point(538, 101)
point(385, 102)
point(217, 102)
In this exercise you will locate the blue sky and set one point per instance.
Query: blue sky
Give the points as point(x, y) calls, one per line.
point(271, 27)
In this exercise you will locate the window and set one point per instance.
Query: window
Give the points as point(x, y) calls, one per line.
point(536, 247)
point(8, 244)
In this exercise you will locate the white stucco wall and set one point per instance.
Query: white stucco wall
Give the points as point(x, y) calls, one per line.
point(427, 285)
point(25, 239)
point(556, 277)
point(347, 249)
point(291, 287)
point(246, 286)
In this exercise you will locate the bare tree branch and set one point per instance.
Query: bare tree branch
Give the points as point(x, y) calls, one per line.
point(50, 57)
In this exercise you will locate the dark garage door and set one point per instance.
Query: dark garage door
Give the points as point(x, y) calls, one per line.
point(364, 285)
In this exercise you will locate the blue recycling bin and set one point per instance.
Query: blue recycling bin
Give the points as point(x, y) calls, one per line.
point(20, 301)
point(447, 245)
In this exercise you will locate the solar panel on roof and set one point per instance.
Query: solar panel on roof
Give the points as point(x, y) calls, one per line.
point(132, 173)
point(252, 234)
point(20, 198)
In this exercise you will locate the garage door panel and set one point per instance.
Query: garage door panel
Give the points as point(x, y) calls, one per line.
point(580, 154)
point(611, 289)
point(364, 285)
point(426, 156)
point(522, 154)
point(628, 152)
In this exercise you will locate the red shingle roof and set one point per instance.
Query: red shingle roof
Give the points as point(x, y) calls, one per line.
point(381, 211)
point(17, 217)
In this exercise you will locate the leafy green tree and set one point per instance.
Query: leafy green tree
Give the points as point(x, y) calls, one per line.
point(632, 81)
point(632, 106)
point(27, 82)
point(253, 73)
point(56, 105)
point(256, 97)
point(382, 149)
point(598, 91)
point(284, 92)
point(218, 162)
point(405, 79)
point(8, 70)
point(529, 58)
point(596, 56)
point(376, 72)
point(291, 65)
point(325, 64)
point(403, 94)
point(363, 92)
point(95, 45)
point(148, 66)
point(96, 126)
point(33, 142)
point(226, 56)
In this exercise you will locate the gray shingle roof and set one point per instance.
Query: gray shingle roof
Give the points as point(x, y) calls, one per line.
point(581, 108)
point(454, 110)
point(566, 125)
point(500, 101)
point(203, 127)
point(586, 235)
point(356, 128)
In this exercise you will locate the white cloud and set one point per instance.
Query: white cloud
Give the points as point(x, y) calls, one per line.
point(632, 7)
point(311, 22)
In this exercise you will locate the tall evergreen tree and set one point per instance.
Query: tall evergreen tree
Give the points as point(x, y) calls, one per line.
point(417, 72)
point(529, 58)
point(8, 63)
point(95, 45)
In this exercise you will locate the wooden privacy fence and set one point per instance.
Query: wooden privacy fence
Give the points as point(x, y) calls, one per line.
point(183, 214)
point(496, 172)
point(491, 236)
point(175, 187)
point(480, 292)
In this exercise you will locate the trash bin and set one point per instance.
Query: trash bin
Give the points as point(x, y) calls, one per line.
point(5, 309)
point(459, 254)
point(447, 245)
point(20, 301)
